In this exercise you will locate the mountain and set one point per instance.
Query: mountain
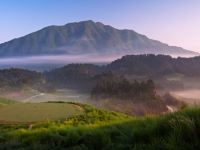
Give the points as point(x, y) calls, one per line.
point(86, 37)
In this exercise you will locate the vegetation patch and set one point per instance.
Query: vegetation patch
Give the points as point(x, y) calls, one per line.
point(118, 87)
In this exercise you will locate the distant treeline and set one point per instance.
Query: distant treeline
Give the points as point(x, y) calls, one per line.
point(19, 78)
point(118, 87)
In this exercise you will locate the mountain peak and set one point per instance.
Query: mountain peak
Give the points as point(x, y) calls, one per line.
point(81, 22)
point(86, 37)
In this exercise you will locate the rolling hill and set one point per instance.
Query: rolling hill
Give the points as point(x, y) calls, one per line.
point(86, 37)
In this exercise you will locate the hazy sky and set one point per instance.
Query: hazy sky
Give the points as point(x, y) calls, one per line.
point(176, 22)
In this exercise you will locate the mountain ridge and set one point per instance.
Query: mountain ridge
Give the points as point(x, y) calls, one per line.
point(86, 37)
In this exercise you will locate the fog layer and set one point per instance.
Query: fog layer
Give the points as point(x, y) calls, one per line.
point(58, 59)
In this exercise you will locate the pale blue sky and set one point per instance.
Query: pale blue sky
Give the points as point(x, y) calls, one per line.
point(176, 22)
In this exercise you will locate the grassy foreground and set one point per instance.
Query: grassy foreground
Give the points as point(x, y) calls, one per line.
point(103, 130)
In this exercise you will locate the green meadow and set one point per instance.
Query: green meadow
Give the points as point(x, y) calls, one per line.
point(37, 112)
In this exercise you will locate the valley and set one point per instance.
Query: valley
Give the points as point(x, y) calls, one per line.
point(99, 75)
point(132, 102)
point(110, 86)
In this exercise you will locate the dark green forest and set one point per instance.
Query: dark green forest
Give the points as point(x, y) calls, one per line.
point(19, 78)
point(118, 87)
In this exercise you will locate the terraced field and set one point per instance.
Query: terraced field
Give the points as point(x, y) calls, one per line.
point(37, 112)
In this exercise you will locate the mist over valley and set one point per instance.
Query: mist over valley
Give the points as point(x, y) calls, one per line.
point(127, 80)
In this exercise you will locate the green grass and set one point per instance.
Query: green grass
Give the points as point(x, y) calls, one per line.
point(103, 130)
point(6, 101)
point(37, 112)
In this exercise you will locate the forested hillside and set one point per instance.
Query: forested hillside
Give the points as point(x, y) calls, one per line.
point(160, 68)
point(19, 78)
point(118, 87)
point(155, 65)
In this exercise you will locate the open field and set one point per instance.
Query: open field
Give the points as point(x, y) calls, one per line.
point(34, 96)
point(36, 112)
point(60, 95)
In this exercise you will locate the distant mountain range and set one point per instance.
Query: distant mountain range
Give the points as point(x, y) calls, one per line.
point(86, 37)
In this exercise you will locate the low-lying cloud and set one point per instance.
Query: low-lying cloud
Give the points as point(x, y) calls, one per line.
point(57, 59)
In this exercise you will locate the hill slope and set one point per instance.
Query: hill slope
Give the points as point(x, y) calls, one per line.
point(86, 37)
point(97, 129)
point(155, 65)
